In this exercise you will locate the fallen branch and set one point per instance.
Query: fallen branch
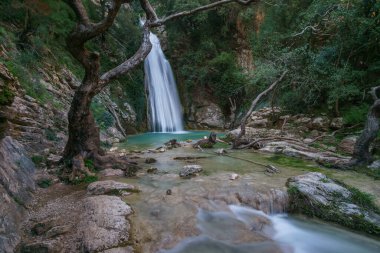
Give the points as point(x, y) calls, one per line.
point(253, 105)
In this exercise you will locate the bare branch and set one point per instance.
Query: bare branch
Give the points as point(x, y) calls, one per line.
point(131, 63)
point(80, 10)
point(149, 10)
point(161, 21)
point(313, 28)
point(254, 103)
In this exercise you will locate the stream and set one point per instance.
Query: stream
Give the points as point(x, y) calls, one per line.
point(211, 213)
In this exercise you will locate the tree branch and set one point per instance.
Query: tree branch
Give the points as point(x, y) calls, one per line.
point(80, 10)
point(254, 103)
point(161, 21)
point(131, 63)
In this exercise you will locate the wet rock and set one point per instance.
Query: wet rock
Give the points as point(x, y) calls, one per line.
point(234, 176)
point(316, 194)
point(347, 144)
point(112, 173)
point(375, 165)
point(190, 170)
point(109, 187)
point(152, 170)
point(221, 151)
point(150, 160)
point(336, 123)
point(104, 224)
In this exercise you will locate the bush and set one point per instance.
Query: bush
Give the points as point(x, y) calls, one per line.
point(355, 114)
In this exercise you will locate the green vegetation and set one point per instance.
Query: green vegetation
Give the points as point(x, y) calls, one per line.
point(6, 96)
point(38, 160)
point(44, 183)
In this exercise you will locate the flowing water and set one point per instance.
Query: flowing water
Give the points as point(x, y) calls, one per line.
point(211, 213)
point(164, 104)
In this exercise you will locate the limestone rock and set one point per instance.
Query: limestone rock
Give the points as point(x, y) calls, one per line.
point(317, 194)
point(320, 123)
point(16, 187)
point(318, 188)
point(190, 170)
point(150, 160)
point(336, 123)
point(104, 225)
point(210, 116)
point(112, 173)
point(347, 144)
point(109, 187)
point(120, 250)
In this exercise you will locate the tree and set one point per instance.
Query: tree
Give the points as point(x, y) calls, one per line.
point(84, 142)
point(362, 155)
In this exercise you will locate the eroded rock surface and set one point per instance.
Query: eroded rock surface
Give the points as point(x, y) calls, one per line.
point(317, 195)
point(16, 187)
point(109, 187)
point(104, 225)
point(190, 170)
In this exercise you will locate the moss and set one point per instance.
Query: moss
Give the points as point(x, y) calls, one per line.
point(45, 183)
point(331, 213)
point(206, 145)
point(6, 96)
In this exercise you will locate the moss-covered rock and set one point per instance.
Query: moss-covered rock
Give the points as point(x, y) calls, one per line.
point(316, 195)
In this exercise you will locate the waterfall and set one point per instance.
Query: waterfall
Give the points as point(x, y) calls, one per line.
point(164, 105)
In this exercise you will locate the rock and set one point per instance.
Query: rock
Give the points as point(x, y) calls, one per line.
point(314, 133)
point(336, 123)
point(221, 151)
point(375, 165)
point(53, 160)
point(104, 224)
point(347, 145)
point(42, 247)
point(120, 250)
point(150, 160)
point(57, 231)
point(16, 187)
point(42, 227)
point(109, 187)
point(320, 123)
point(190, 170)
point(303, 121)
point(152, 170)
point(307, 140)
point(234, 176)
point(112, 173)
point(168, 192)
point(258, 123)
point(114, 133)
point(210, 116)
point(316, 194)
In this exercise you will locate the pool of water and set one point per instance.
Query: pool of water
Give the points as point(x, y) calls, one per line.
point(154, 140)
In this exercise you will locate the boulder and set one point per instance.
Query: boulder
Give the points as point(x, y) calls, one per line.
point(210, 116)
point(336, 123)
point(320, 123)
point(317, 195)
point(190, 170)
point(112, 173)
point(150, 160)
point(258, 123)
point(347, 144)
point(104, 225)
point(109, 187)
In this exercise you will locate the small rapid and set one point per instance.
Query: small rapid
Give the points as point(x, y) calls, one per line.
point(165, 110)
point(246, 230)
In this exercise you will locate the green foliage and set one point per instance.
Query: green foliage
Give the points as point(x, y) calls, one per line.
point(102, 117)
point(85, 180)
point(38, 160)
point(355, 114)
point(44, 183)
point(363, 199)
point(6, 96)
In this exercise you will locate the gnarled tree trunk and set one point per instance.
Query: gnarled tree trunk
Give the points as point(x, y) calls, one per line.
point(362, 155)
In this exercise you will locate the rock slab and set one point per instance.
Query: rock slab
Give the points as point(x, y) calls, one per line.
point(104, 225)
point(109, 187)
point(190, 170)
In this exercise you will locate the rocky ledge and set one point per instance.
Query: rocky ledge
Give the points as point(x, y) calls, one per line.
point(314, 194)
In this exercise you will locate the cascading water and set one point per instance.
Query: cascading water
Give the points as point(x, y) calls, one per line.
point(164, 104)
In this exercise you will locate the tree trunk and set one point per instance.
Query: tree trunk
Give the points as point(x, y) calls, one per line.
point(83, 131)
point(362, 155)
